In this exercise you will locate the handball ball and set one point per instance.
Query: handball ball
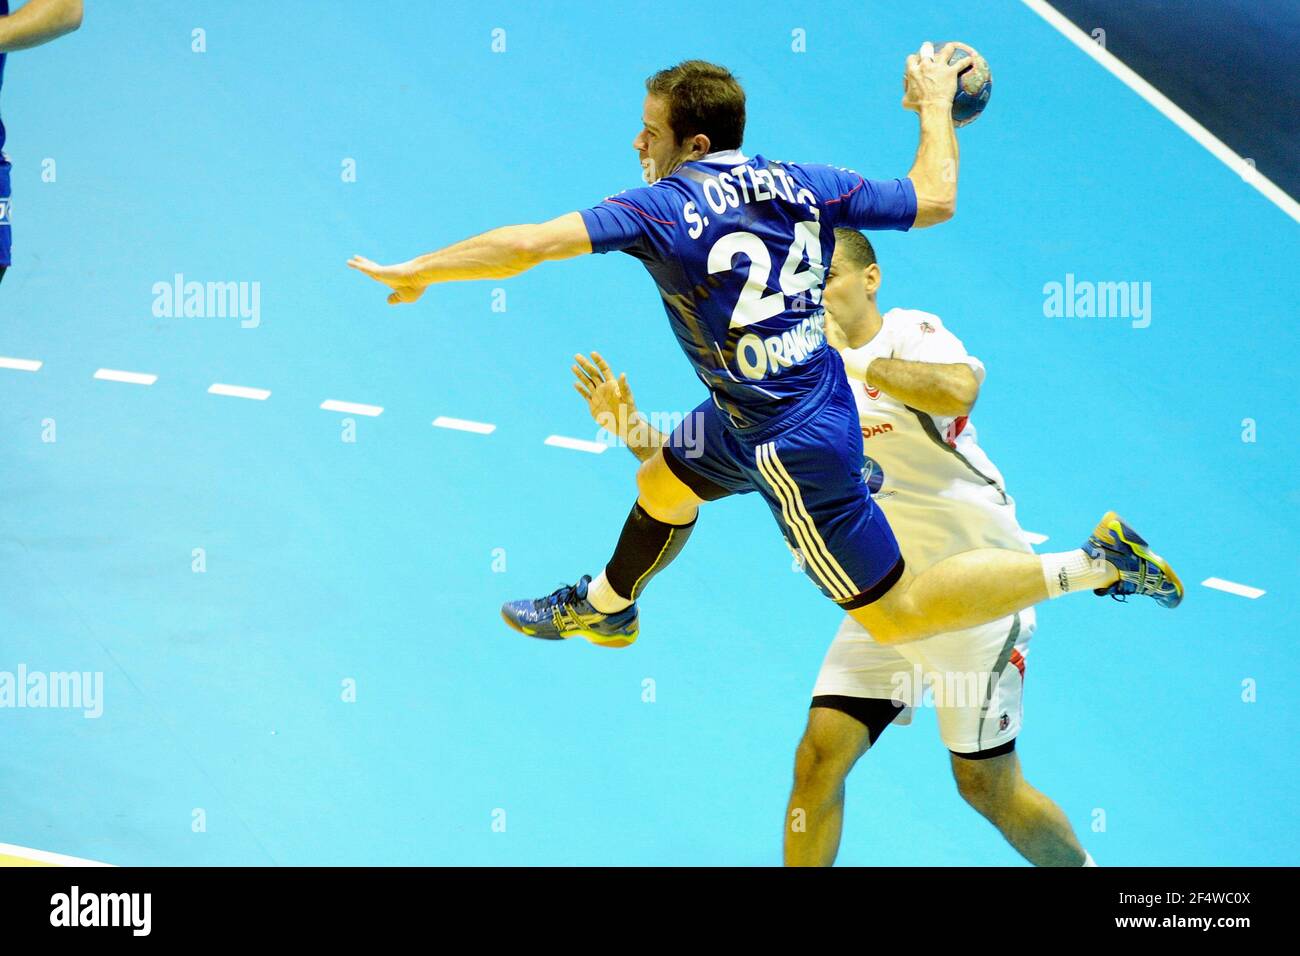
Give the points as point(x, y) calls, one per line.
point(974, 84)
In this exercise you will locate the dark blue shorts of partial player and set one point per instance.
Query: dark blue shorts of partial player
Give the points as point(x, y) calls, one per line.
point(807, 465)
point(4, 214)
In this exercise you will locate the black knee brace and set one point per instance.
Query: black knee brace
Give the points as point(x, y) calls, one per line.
point(646, 546)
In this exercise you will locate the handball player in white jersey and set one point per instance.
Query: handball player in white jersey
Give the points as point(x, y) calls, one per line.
point(914, 384)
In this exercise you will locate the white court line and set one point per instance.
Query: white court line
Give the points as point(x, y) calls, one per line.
point(351, 407)
point(20, 365)
point(442, 421)
point(1270, 190)
point(42, 856)
point(239, 391)
point(576, 444)
point(1232, 587)
point(131, 378)
point(464, 425)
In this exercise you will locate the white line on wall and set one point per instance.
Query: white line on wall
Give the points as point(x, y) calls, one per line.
point(44, 856)
point(1220, 150)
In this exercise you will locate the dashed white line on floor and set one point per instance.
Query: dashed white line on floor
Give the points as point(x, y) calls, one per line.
point(1232, 587)
point(130, 378)
point(20, 365)
point(576, 444)
point(239, 391)
point(480, 428)
point(464, 425)
point(352, 408)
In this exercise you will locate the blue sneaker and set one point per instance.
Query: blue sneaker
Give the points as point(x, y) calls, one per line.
point(566, 612)
point(1141, 570)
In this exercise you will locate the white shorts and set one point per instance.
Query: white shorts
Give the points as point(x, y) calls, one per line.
point(972, 678)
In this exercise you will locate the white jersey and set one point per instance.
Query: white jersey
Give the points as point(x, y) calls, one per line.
point(938, 489)
point(942, 496)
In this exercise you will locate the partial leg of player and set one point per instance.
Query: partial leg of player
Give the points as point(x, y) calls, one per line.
point(975, 587)
point(1029, 820)
point(994, 786)
point(604, 610)
point(814, 818)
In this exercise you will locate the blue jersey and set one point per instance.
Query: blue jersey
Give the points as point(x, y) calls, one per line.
point(739, 249)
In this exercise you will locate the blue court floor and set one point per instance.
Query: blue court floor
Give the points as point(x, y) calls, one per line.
point(293, 611)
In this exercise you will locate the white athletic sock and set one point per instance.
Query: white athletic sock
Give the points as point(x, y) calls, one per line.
point(1069, 571)
point(1088, 860)
point(604, 598)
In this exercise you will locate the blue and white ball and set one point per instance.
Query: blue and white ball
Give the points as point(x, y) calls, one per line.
point(974, 84)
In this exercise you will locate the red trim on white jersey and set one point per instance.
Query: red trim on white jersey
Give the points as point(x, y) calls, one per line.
point(956, 428)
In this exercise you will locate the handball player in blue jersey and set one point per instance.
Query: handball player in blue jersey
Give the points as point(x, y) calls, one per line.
point(37, 22)
point(738, 247)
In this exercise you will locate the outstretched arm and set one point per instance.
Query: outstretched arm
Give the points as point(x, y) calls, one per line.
point(497, 254)
point(929, 87)
point(39, 21)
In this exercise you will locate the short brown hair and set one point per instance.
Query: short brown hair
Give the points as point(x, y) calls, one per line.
point(856, 247)
point(702, 98)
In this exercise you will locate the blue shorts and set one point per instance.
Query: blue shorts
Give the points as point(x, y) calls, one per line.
point(4, 214)
point(807, 465)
